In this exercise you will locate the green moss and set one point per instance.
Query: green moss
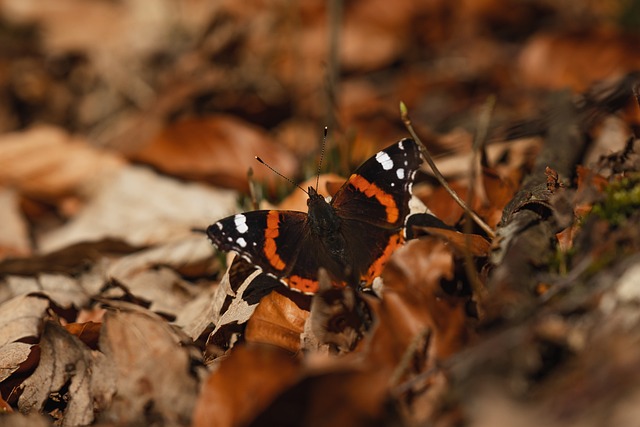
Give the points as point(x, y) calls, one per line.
point(622, 199)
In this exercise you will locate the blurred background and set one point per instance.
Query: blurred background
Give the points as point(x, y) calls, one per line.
point(194, 89)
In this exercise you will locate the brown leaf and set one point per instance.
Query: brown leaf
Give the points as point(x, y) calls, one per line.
point(577, 59)
point(277, 321)
point(413, 279)
point(46, 162)
point(152, 370)
point(68, 368)
point(244, 384)
point(472, 243)
point(88, 332)
point(219, 149)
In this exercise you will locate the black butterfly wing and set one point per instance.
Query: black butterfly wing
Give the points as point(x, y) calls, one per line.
point(373, 205)
point(269, 239)
point(378, 192)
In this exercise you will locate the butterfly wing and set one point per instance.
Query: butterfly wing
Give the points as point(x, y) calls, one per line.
point(269, 239)
point(373, 205)
point(378, 192)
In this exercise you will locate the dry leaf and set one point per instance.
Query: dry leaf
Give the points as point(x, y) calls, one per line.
point(219, 149)
point(414, 276)
point(12, 356)
point(474, 244)
point(152, 369)
point(14, 237)
point(45, 162)
point(70, 369)
point(190, 255)
point(577, 60)
point(142, 208)
point(277, 321)
point(63, 290)
point(88, 332)
point(21, 317)
point(244, 384)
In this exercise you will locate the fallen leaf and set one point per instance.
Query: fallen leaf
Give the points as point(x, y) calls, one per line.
point(12, 355)
point(87, 332)
point(63, 290)
point(46, 162)
point(14, 238)
point(69, 369)
point(192, 255)
point(21, 317)
point(557, 60)
point(244, 384)
point(142, 208)
point(152, 373)
point(278, 321)
point(219, 149)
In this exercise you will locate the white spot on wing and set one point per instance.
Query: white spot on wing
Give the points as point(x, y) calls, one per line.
point(241, 223)
point(384, 160)
point(400, 173)
point(219, 225)
point(400, 145)
point(241, 242)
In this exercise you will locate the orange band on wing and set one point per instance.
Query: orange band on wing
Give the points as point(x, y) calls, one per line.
point(308, 286)
point(372, 190)
point(270, 247)
point(376, 268)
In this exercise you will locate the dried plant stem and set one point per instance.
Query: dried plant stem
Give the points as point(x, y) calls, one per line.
point(438, 175)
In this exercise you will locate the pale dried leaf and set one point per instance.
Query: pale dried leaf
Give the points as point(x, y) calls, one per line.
point(67, 362)
point(11, 356)
point(63, 290)
point(21, 317)
point(14, 236)
point(193, 250)
point(152, 369)
point(196, 315)
point(142, 208)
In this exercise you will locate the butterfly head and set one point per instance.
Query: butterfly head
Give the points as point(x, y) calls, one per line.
point(313, 196)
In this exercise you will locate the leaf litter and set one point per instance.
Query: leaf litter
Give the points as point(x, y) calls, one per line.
point(125, 130)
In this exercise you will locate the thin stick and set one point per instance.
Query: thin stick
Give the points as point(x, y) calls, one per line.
point(407, 122)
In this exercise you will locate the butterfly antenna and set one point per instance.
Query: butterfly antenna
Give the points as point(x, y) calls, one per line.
point(324, 143)
point(280, 175)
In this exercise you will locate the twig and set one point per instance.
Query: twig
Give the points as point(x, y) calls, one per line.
point(407, 122)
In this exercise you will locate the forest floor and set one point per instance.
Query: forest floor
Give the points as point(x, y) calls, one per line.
point(127, 128)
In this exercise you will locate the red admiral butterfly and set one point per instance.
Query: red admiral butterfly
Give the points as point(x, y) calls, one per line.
point(352, 236)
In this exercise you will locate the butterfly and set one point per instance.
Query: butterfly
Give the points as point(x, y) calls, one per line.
point(351, 236)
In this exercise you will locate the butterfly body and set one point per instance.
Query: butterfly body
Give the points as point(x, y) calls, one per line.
point(351, 237)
